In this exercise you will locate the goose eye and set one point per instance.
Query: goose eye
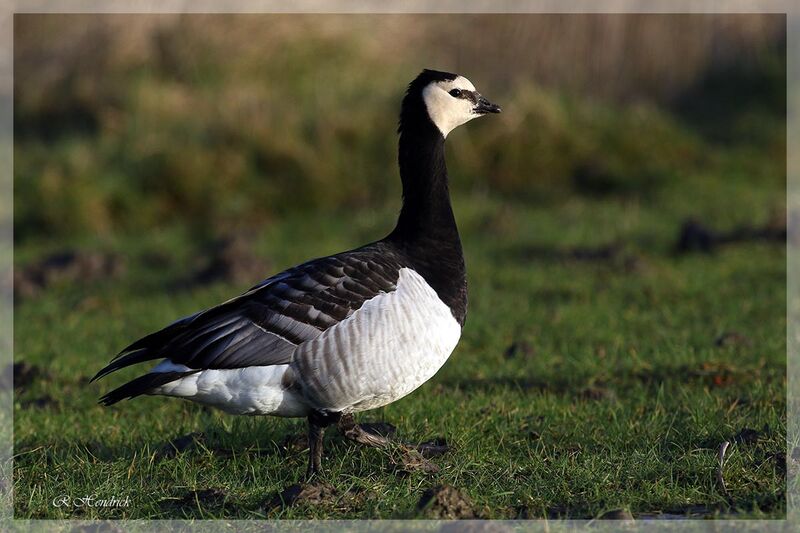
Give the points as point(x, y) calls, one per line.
point(455, 93)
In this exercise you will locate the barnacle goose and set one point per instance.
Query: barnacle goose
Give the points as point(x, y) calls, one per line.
point(344, 333)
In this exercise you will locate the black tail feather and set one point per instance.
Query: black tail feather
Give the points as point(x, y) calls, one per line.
point(147, 348)
point(125, 359)
point(141, 385)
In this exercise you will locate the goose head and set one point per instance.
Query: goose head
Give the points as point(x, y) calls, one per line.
point(447, 100)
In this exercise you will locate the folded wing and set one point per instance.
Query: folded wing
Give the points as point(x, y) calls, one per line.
point(265, 325)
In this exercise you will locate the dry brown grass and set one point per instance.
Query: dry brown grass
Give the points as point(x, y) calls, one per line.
point(653, 56)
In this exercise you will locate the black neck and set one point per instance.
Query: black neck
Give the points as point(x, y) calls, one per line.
point(426, 214)
point(426, 229)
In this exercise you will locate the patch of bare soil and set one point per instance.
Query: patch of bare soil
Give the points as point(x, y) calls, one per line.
point(410, 460)
point(204, 497)
point(597, 393)
point(68, 266)
point(613, 253)
point(779, 460)
point(179, 445)
point(313, 494)
point(318, 494)
point(21, 375)
point(211, 498)
point(520, 350)
point(25, 374)
point(230, 259)
point(433, 448)
point(732, 338)
point(712, 373)
point(617, 514)
point(294, 443)
point(696, 236)
point(749, 435)
point(444, 502)
point(42, 402)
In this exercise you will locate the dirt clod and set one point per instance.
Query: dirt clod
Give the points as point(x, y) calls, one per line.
point(210, 498)
point(66, 266)
point(747, 436)
point(716, 373)
point(444, 502)
point(597, 393)
point(24, 374)
point(433, 448)
point(204, 498)
point(778, 459)
point(180, 444)
point(231, 259)
point(41, 402)
point(695, 236)
point(413, 461)
point(318, 494)
point(732, 338)
point(520, 349)
point(617, 514)
point(305, 493)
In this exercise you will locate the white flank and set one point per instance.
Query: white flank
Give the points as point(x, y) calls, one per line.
point(254, 390)
point(393, 344)
point(446, 111)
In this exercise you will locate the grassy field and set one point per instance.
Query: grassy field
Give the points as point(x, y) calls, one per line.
point(602, 364)
point(617, 393)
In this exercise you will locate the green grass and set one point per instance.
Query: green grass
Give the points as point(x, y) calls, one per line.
point(621, 404)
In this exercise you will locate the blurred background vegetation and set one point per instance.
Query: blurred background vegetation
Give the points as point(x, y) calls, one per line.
point(221, 122)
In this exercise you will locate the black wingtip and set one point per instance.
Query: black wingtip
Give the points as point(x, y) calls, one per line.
point(103, 373)
point(105, 401)
point(141, 385)
point(123, 359)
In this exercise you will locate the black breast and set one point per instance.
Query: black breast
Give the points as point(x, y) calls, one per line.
point(441, 264)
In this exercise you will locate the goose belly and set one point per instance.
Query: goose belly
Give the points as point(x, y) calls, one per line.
point(387, 348)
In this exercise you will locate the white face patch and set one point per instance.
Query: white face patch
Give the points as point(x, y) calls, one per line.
point(447, 111)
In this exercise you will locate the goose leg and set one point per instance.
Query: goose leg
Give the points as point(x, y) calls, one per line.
point(317, 422)
point(316, 432)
